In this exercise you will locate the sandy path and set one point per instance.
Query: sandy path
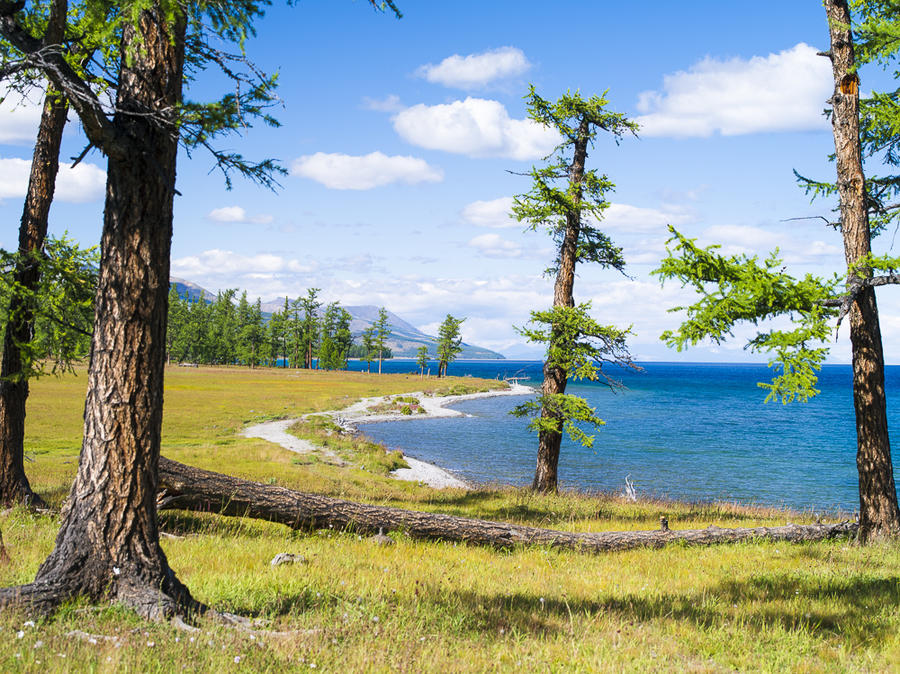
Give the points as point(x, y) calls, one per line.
point(359, 412)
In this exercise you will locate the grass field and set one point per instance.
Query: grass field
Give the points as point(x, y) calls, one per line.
point(417, 606)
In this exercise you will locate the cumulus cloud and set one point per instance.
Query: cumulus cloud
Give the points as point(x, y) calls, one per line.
point(475, 127)
point(476, 70)
point(779, 92)
point(348, 172)
point(85, 182)
point(494, 213)
point(236, 214)
point(493, 245)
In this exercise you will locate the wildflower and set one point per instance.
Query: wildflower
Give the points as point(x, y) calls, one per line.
point(20, 634)
point(191, 639)
point(29, 623)
point(116, 571)
point(151, 644)
point(237, 659)
point(38, 644)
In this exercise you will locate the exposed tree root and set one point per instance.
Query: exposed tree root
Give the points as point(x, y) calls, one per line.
point(189, 488)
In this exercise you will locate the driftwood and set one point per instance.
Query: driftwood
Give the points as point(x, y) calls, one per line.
point(188, 488)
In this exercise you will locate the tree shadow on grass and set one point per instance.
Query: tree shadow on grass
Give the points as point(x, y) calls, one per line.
point(853, 609)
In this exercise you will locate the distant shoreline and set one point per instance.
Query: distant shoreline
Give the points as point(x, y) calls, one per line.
point(419, 471)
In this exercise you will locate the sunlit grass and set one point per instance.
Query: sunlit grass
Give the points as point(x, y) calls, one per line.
point(432, 606)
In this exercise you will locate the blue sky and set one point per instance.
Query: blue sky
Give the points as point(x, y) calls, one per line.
point(400, 137)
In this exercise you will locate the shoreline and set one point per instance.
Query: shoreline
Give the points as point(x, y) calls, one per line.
point(360, 413)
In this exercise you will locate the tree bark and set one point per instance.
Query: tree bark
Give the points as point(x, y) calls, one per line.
point(546, 475)
point(879, 516)
point(189, 488)
point(14, 485)
point(108, 543)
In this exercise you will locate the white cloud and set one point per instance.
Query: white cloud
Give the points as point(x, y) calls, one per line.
point(476, 127)
point(746, 240)
point(237, 214)
point(623, 218)
point(348, 172)
point(494, 213)
point(493, 245)
point(85, 182)
point(390, 103)
point(19, 119)
point(779, 92)
point(635, 219)
point(476, 70)
point(219, 262)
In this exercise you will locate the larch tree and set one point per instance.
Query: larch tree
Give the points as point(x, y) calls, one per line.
point(567, 200)
point(422, 359)
point(310, 325)
point(382, 332)
point(19, 328)
point(368, 345)
point(449, 343)
point(108, 543)
point(742, 289)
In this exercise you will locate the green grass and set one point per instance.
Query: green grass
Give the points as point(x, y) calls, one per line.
point(430, 606)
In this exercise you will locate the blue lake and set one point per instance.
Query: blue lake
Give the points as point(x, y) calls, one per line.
point(692, 431)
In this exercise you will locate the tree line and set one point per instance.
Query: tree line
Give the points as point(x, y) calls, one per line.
point(301, 334)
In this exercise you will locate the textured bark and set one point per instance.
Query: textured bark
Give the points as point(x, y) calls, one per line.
point(546, 474)
point(14, 485)
point(878, 512)
point(108, 543)
point(189, 488)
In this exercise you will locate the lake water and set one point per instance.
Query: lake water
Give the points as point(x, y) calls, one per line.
point(692, 431)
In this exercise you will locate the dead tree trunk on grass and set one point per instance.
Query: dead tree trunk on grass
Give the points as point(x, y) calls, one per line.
point(188, 488)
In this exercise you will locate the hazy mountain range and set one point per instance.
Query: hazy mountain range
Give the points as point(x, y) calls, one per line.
point(404, 340)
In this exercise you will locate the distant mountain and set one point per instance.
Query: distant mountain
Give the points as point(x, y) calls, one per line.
point(404, 341)
point(190, 290)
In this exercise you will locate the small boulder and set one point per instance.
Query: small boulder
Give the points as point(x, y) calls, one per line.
point(381, 539)
point(287, 558)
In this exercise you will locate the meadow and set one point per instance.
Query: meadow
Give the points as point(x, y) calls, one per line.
point(354, 605)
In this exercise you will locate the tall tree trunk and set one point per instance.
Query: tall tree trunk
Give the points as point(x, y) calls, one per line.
point(546, 475)
point(878, 512)
point(108, 543)
point(14, 486)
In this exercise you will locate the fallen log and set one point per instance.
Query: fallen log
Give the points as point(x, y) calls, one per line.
point(188, 488)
